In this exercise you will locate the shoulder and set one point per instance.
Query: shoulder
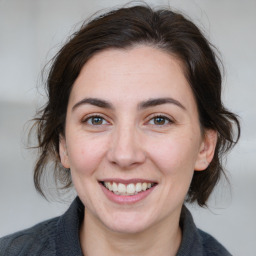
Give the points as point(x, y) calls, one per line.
point(195, 241)
point(37, 240)
point(211, 246)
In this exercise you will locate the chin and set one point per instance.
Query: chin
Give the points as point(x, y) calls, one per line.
point(128, 223)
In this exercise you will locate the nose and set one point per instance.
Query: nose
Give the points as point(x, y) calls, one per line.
point(125, 149)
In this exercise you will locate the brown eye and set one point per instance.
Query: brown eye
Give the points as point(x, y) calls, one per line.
point(96, 120)
point(160, 120)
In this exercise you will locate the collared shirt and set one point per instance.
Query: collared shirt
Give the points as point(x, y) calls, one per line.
point(60, 236)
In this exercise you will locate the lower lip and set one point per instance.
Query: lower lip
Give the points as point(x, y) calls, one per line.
point(119, 199)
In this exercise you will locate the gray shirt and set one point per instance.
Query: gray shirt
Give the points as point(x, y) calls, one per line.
point(60, 236)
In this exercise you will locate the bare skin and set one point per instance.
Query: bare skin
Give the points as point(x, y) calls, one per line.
point(132, 118)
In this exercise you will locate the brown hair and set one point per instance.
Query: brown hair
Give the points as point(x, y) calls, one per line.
point(124, 28)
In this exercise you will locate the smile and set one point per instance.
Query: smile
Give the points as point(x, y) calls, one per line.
point(127, 189)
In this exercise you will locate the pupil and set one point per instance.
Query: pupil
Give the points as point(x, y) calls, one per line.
point(97, 120)
point(159, 120)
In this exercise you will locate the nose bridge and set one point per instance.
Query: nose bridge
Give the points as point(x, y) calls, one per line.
point(125, 149)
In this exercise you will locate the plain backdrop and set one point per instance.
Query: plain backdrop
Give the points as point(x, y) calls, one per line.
point(31, 31)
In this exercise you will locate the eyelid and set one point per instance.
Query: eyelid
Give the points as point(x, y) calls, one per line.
point(148, 119)
point(87, 117)
point(166, 117)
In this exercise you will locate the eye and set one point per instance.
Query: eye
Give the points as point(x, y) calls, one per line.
point(95, 120)
point(160, 120)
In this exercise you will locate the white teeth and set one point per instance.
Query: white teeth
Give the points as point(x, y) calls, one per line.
point(144, 186)
point(129, 189)
point(114, 187)
point(138, 187)
point(108, 185)
point(121, 188)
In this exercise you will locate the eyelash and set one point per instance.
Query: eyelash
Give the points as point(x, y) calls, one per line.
point(86, 120)
point(165, 118)
point(167, 121)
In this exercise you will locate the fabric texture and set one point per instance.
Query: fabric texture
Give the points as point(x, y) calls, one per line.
point(60, 236)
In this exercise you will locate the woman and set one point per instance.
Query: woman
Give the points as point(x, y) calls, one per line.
point(134, 120)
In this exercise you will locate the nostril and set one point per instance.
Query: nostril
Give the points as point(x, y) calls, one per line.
point(125, 149)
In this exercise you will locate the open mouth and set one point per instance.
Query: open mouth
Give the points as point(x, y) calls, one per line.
point(127, 189)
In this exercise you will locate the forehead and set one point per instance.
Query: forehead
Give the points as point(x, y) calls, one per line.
point(134, 74)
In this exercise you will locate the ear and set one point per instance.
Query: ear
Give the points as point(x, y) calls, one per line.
point(207, 150)
point(63, 152)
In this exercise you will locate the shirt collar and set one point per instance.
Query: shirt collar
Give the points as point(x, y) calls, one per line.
point(191, 243)
point(68, 242)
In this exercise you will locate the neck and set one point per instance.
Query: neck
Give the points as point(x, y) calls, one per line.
point(162, 239)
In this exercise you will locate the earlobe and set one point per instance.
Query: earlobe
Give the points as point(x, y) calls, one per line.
point(63, 152)
point(207, 150)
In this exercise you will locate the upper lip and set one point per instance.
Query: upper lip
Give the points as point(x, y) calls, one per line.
point(128, 181)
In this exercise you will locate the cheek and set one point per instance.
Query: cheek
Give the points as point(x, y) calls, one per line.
point(85, 155)
point(175, 155)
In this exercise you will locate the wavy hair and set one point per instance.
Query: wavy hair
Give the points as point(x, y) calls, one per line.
point(124, 28)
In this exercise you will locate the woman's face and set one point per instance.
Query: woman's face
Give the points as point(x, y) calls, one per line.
point(132, 126)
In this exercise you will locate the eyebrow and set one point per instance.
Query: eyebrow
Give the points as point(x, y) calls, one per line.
point(143, 105)
point(95, 102)
point(159, 101)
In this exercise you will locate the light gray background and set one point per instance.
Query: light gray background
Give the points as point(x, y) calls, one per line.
point(31, 31)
